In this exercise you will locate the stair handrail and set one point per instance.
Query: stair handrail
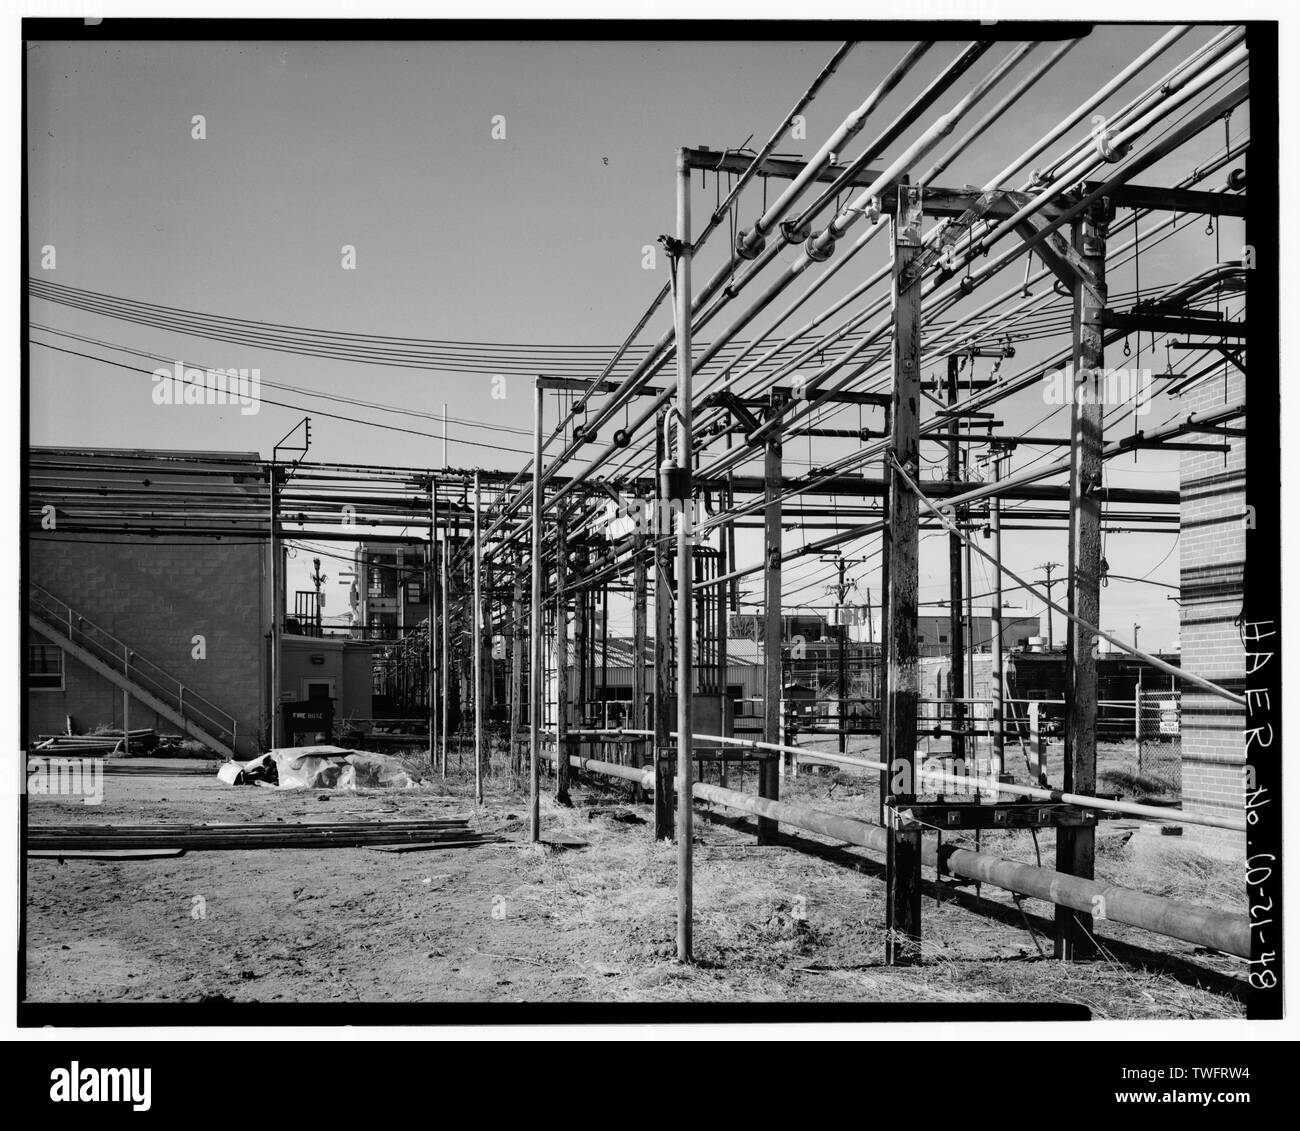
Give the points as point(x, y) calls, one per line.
point(187, 701)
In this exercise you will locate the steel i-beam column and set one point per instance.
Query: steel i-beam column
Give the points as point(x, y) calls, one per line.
point(685, 539)
point(661, 528)
point(720, 620)
point(903, 863)
point(433, 646)
point(536, 686)
point(516, 669)
point(277, 617)
point(956, 633)
point(636, 719)
point(561, 666)
point(476, 623)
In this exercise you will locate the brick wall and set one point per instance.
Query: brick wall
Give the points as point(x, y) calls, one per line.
point(1213, 549)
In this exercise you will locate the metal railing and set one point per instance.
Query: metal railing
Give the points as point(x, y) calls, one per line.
point(139, 670)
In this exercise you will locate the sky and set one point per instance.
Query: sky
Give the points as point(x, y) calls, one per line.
point(536, 237)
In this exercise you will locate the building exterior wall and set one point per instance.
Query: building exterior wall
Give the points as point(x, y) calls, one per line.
point(156, 596)
point(344, 664)
point(1212, 550)
point(355, 694)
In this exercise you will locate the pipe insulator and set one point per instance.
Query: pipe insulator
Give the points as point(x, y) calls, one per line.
point(622, 437)
point(818, 254)
point(1237, 180)
point(749, 244)
point(1111, 154)
point(967, 285)
point(792, 234)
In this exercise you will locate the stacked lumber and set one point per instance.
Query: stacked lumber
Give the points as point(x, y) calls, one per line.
point(439, 832)
point(146, 767)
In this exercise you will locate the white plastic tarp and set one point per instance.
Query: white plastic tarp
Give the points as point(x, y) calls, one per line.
point(320, 767)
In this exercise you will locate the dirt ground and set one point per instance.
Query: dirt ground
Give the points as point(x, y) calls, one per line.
point(514, 922)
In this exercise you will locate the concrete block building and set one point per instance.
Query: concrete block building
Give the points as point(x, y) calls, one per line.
point(147, 631)
point(170, 631)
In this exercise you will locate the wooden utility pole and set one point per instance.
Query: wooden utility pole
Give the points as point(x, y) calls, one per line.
point(1075, 846)
point(998, 690)
point(769, 782)
point(903, 861)
point(882, 663)
point(968, 641)
point(720, 620)
point(1048, 568)
point(841, 665)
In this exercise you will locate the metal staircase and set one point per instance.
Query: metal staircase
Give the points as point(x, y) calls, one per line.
point(112, 658)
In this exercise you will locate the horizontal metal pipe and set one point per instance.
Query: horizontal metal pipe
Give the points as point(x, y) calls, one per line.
point(1118, 80)
point(1201, 926)
point(1102, 804)
point(1039, 793)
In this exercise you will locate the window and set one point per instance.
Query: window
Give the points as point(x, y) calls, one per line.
point(381, 576)
point(45, 667)
point(943, 640)
point(415, 592)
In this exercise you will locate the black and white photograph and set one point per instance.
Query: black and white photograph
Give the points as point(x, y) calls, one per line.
point(658, 521)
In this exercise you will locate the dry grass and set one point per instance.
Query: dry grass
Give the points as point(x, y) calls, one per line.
point(780, 924)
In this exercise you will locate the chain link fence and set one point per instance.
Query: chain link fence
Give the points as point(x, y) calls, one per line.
point(1159, 736)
